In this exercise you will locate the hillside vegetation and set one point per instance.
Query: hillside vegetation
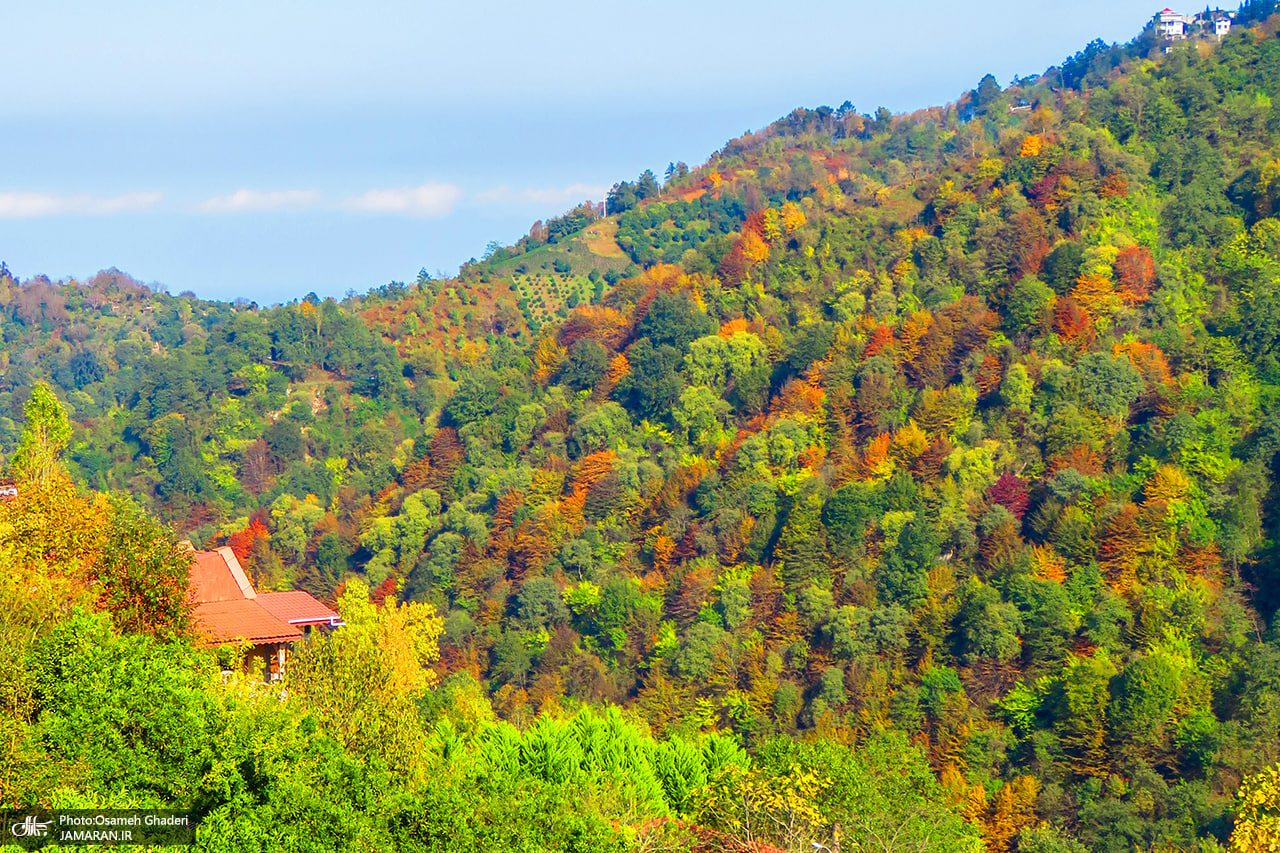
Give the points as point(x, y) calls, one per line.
point(908, 471)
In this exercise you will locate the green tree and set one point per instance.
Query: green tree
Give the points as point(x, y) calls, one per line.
point(174, 448)
point(903, 574)
point(831, 686)
point(848, 513)
point(1029, 301)
point(697, 654)
point(989, 627)
point(1017, 389)
point(586, 365)
point(647, 186)
point(1061, 267)
point(801, 552)
point(1108, 384)
point(1082, 698)
point(987, 92)
point(674, 319)
point(652, 386)
point(1151, 690)
point(700, 413)
point(474, 398)
point(285, 443)
point(736, 366)
point(44, 436)
point(143, 732)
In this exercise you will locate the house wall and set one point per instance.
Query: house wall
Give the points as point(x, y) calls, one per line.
point(267, 661)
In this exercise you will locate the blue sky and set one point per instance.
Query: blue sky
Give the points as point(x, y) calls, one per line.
point(267, 149)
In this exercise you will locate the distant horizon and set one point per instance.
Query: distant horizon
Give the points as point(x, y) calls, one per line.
point(255, 153)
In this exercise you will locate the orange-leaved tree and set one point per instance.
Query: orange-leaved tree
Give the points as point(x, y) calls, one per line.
point(1135, 272)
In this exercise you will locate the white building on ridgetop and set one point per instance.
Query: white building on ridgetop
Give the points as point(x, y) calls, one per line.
point(1173, 25)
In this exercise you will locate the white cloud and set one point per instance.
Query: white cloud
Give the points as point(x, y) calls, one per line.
point(431, 199)
point(32, 205)
point(572, 194)
point(247, 201)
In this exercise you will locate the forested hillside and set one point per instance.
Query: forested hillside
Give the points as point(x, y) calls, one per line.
point(934, 450)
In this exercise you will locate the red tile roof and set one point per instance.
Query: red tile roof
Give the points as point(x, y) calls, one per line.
point(227, 609)
point(218, 576)
point(297, 608)
point(242, 620)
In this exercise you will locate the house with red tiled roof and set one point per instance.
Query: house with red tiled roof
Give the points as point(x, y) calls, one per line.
point(229, 611)
point(299, 609)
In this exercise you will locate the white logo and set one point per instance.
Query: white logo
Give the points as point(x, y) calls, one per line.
point(30, 828)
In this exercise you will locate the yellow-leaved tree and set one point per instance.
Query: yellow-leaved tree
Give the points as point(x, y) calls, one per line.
point(1257, 826)
point(362, 681)
point(754, 806)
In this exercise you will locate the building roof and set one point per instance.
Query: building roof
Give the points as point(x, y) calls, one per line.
point(218, 576)
point(243, 620)
point(298, 608)
point(228, 609)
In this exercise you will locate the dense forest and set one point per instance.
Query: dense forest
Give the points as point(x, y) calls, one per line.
point(899, 481)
